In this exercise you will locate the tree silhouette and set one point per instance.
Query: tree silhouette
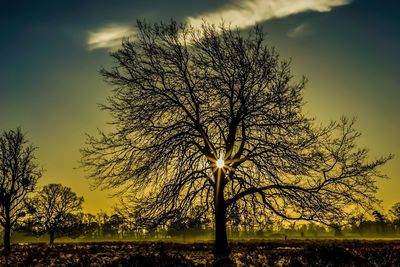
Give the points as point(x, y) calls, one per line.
point(213, 118)
point(90, 226)
point(395, 213)
point(54, 210)
point(18, 176)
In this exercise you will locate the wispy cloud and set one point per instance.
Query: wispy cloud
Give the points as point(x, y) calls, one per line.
point(300, 31)
point(109, 37)
point(239, 13)
point(245, 13)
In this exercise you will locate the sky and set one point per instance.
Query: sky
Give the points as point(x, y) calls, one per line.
point(51, 53)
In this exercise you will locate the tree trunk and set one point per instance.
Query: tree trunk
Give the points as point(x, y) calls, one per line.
point(221, 247)
point(7, 238)
point(51, 235)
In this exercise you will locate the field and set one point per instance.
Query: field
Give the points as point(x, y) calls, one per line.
point(256, 253)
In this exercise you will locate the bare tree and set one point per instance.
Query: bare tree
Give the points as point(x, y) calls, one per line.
point(54, 208)
point(213, 118)
point(18, 176)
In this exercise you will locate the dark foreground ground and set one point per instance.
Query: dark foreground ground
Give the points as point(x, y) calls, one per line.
point(265, 253)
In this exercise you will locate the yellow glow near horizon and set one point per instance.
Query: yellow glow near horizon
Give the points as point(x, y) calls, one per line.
point(220, 163)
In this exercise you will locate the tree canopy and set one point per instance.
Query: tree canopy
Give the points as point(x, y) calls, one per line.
point(19, 173)
point(54, 209)
point(184, 98)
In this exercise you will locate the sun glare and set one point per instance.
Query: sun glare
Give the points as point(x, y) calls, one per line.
point(220, 163)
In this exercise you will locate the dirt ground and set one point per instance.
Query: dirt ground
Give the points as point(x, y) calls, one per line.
point(251, 253)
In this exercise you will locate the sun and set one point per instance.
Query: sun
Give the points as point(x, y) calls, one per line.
point(220, 163)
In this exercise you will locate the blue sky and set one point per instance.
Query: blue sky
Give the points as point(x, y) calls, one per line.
point(51, 52)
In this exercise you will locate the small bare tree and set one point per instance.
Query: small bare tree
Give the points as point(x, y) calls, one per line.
point(54, 208)
point(18, 177)
point(212, 118)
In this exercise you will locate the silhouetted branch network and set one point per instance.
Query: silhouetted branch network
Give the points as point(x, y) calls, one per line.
point(182, 98)
point(19, 173)
point(53, 209)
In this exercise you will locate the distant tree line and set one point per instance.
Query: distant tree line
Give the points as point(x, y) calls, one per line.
point(102, 226)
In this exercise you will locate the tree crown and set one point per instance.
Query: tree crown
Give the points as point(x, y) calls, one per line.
point(184, 98)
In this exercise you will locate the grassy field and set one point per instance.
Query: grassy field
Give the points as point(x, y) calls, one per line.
point(254, 253)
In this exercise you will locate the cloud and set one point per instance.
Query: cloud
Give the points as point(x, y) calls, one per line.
point(300, 31)
point(239, 13)
point(245, 13)
point(109, 36)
